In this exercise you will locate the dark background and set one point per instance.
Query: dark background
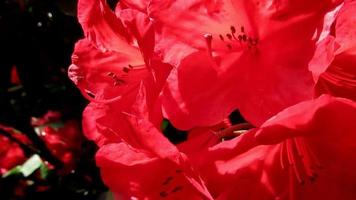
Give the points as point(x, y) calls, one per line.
point(38, 36)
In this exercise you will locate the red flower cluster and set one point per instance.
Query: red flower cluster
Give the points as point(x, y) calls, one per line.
point(11, 154)
point(63, 139)
point(287, 66)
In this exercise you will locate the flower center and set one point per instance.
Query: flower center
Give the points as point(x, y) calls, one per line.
point(234, 39)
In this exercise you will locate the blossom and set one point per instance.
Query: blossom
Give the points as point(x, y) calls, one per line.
point(226, 55)
point(301, 153)
point(107, 46)
point(317, 140)
point(250, 55)
point(63, 139)
point(334, 60)
point(109, 72)
point(15, 76)
point(124, 119)
point(125, 165)
point(11, 153)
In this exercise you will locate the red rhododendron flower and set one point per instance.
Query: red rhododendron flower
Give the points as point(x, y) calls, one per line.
point(113, 59)
point(226, 55)
point(112, 74)
point(15, 76)
point(334, 61)
point(125, 164)
point(250, 55)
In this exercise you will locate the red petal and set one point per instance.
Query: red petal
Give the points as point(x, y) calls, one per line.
point(257, 78)
point(103, 28)
point(134, 173)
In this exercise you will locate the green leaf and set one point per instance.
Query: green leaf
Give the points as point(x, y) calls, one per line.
point(164, 125)
point(14, 171)
point(44, 170)
point(31, 165)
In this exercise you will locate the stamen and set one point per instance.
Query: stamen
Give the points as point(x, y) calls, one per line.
point(314, 159)
point(117, 80)
point(292, 161)
point(233, 131)
point(281, 152)
point(209, 39)
point(126, 69)
point(307, 159)
point(304, 156)
point(244, 39)
point(306, 162)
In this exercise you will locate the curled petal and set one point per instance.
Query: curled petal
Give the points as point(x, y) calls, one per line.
point(103, 28)
point(335, 58)
point(104, 75)
point(305, 119)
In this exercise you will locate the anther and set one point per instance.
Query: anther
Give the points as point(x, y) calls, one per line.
point(233, 30)
point(118, 81)
point(130, 66)
point(229, 36)
point(229, 46)
point(244, 38)
point(111, 74)
point(208, 36)
point(167, 181)
point(163, 194)
point(177, 188)
point(242, 29)
point(126, 69)
point(221, 37)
